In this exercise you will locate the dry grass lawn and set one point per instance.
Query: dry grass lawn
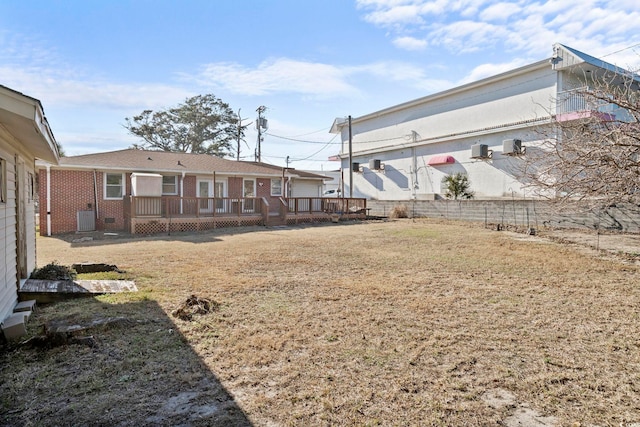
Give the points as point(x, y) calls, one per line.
point(406, 322)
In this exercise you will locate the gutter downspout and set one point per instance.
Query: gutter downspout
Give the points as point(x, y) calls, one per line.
point(182, 191)
point(48, 200)
point(95, 194)
point(414, 165)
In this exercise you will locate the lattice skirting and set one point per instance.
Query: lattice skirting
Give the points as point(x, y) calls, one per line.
point(164, 225)
point(307, 219)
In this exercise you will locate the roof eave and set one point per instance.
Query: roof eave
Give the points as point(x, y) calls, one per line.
point(26, 117)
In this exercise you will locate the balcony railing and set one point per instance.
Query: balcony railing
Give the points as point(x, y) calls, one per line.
point(577, 100)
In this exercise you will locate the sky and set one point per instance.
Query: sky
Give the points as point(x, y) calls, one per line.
point(93, 63)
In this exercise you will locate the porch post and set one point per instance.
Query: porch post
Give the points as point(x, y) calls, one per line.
point(48, 200)
point(181, 191)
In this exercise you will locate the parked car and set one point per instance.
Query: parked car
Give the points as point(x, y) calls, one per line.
point(332, 193)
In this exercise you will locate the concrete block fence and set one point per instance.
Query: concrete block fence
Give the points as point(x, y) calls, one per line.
point(516, 213)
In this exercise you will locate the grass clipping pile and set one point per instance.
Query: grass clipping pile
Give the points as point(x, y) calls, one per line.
point(194, 306)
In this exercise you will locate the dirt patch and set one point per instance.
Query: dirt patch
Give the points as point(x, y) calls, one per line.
point(194, 306)
point(518, 414)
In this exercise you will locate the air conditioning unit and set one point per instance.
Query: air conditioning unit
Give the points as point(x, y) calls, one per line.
point(355, 167)
point(86, 221)
point(374, 164)
point(511, 147)
point(480, 151)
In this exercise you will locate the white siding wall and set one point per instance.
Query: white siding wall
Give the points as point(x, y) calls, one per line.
point(521, 97)
point(440, 125)
point(9, 149)
point(30, 216)
point(490, 178)
point(8, 281)
point(306, 188)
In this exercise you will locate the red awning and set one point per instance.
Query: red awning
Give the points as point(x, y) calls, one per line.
point(441, 160)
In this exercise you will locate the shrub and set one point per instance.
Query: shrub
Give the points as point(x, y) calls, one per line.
point(54, 271)
point(399, 211)
point(457, 186)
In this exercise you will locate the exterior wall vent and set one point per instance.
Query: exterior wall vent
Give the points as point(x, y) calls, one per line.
point(511, 147)
point(86, 220)
point(480, 151)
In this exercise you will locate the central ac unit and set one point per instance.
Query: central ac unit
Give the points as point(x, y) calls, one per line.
point(480, 151)
point(374, 164)
point(511, 147)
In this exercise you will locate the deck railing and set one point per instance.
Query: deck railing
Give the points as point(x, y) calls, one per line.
point(192, 207)
point(327, 205)
point(143, 208)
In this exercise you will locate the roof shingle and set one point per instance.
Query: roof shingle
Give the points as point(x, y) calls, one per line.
point(135, 160)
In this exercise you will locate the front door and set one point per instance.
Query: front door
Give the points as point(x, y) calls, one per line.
point(219, 195)
point(249, 187)
point(205, 196)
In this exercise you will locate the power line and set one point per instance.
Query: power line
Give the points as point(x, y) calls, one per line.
point(407, 137)
point(304, 140)
point(621, 50)
point(297, 160)
point(324, 129)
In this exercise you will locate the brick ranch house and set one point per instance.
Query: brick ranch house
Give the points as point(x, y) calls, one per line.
point(147, 192)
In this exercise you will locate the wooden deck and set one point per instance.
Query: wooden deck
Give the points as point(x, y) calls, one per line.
point(152, 215)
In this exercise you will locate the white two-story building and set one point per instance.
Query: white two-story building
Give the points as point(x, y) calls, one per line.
point(480, 129)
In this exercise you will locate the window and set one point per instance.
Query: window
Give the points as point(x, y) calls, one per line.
point(276, 186)
point(113, 185)
point(169, 185)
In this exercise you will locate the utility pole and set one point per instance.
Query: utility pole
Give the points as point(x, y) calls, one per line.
point(239, 136)
point(350, 161)
point(261, 124)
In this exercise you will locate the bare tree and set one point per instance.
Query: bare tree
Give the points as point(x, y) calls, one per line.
point(590, 152)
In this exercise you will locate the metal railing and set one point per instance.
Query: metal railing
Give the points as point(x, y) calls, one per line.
point(577, 100)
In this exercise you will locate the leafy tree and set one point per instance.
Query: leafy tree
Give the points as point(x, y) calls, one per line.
point(61, 152)
point(203, 124)
point(457, 186)
point(591, 157)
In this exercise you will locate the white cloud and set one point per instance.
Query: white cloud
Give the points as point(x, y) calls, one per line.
point(32, 67)
point(499, 12)
point(285, 75)
point(488, 70)
point(467, 36)
point(408, 14)
point(526, 27)
point(410, 43)
point(52, 88)
point(276, 75)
